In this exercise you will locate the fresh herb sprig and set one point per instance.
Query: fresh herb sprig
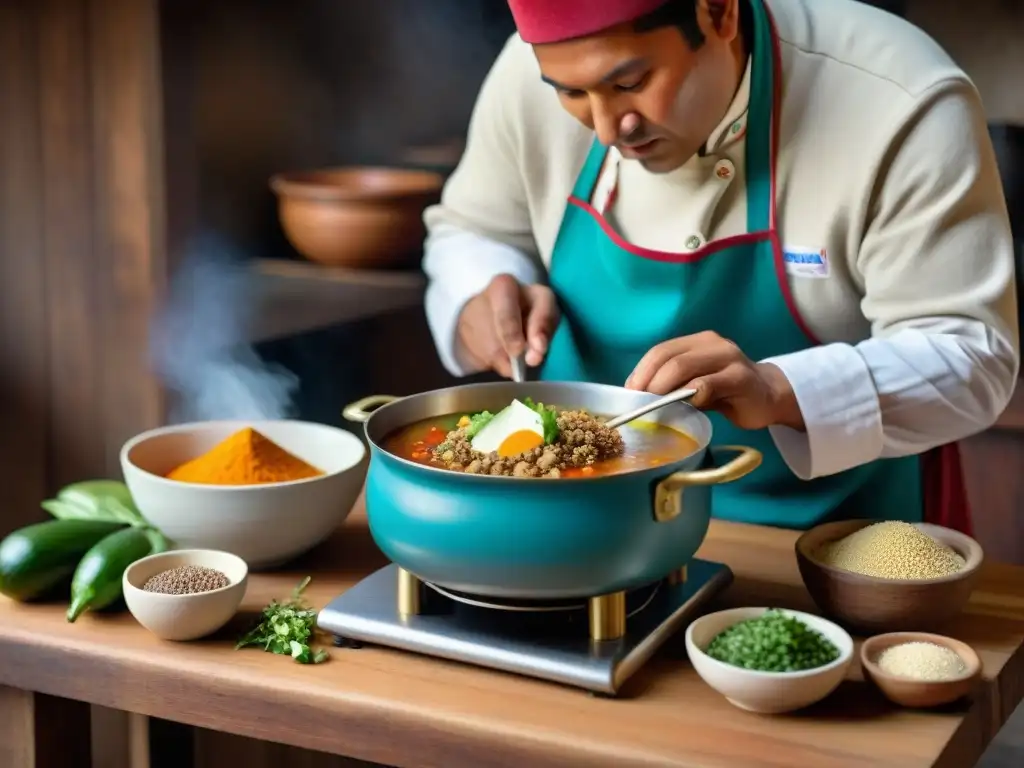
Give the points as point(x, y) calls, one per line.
point(287, 629)
point(548, 419)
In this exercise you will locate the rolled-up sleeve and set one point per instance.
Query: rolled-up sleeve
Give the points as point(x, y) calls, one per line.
point(937, 268)
point(482, 226)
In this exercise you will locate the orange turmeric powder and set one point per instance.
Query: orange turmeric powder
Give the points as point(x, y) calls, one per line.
point(244, 458)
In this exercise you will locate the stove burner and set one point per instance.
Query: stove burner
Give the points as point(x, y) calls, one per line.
point(636, 599)
point(552, 640)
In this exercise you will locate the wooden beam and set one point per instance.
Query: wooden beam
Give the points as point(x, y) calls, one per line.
point(23, 339)
point(72, 278)
point(130, 257)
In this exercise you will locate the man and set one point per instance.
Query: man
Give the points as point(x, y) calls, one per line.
point(790, 205)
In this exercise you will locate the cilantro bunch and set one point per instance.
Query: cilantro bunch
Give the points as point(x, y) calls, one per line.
point(287, 629)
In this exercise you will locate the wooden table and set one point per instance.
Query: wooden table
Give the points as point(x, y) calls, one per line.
point(404, 710)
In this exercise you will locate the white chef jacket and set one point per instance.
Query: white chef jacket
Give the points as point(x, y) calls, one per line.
point(885, 166)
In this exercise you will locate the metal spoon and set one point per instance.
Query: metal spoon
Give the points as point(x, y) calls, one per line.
point(518, 368)
point(672, 397)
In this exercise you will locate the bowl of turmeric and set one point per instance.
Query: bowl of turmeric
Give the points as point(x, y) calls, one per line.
point(266, 491)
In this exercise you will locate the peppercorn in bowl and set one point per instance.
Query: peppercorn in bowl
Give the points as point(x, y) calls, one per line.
point(185, 594)
point(266, 491)
point(769, 660)
point(888, 576)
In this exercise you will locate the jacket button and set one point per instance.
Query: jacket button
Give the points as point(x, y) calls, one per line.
point(693, 242)
point(725, 170)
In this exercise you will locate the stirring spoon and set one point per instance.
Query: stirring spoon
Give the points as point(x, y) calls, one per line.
point(672, 397)
point(518, 368)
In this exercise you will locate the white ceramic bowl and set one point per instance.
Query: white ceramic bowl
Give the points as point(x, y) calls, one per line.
point(767, 692)
point(184, 617)
point(265, 524)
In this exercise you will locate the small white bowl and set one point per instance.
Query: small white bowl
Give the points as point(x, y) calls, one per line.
point(767, 692)
point(185, 617)
point(266, 524)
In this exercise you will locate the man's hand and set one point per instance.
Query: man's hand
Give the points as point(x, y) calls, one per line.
point(751, 395)
point(508, 319)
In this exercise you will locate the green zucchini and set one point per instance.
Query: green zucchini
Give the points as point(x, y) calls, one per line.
point(36, 559)
point(97, 580)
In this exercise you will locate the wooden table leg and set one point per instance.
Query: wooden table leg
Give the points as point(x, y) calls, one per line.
point(39, 731)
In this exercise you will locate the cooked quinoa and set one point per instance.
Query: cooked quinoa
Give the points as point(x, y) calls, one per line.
point(582, 441)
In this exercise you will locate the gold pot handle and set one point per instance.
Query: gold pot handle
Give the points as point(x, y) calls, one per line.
point(668, 495)
point(358, 412)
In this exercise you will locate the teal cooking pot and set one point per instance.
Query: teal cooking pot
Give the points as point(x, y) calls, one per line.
point(530, 538)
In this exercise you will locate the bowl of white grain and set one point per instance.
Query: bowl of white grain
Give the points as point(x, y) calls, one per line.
point(185, 594)
point(916, 669)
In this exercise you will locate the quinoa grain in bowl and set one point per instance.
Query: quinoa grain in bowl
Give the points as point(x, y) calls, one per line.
point(891, 550)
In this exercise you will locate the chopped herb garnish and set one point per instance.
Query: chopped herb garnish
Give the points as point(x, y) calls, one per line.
point(288, 629)
point(773, 642)
point(477, 422)
point(548, 418)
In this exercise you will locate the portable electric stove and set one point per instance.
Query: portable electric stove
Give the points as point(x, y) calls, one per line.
point(595, 644)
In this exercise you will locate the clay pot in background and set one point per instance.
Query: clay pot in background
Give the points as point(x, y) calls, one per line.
point(357, 217)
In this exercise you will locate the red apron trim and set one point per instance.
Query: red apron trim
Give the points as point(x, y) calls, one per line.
point(666, 256)
point(787, 290)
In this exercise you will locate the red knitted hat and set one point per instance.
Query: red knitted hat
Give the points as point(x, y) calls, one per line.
point(552, 21)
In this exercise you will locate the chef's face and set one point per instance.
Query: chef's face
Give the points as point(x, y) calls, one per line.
point(650, 94)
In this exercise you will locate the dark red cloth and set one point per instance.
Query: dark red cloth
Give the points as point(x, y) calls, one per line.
point(552, 21)
point(945, 494)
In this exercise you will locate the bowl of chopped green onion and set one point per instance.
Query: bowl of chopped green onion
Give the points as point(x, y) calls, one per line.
point(769, 660)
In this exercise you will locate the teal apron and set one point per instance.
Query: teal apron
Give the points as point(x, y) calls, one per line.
point(619, 300)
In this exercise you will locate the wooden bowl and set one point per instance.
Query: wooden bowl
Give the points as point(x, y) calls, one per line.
point(358, 217)
point(871, 605)
point(908, 692)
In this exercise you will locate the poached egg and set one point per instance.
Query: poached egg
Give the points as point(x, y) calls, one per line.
point(513, 430)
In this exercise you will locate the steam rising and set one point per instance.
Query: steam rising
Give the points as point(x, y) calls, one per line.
point(199, 343)
point(348, 82)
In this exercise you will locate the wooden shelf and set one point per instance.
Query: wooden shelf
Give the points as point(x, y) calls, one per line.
point(298, 296)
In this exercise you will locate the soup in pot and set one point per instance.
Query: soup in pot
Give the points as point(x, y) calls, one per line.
point(528, 439)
